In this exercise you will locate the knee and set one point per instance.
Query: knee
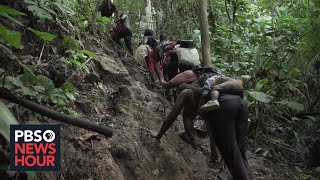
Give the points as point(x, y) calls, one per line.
point(185, 92)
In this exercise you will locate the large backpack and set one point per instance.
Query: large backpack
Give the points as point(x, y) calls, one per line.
point(153, 42)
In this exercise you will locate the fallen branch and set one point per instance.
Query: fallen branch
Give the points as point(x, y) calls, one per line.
point(39, 59)
point(301, 114)
point(5, 94)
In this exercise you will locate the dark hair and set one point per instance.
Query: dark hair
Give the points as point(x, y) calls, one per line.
point(162, 37)
point(148, 32)
point(186, 65)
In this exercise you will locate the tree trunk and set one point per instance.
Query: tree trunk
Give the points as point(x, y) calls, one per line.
point(204, 28)
point(149, 14)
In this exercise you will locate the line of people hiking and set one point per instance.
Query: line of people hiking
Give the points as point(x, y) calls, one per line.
point(198, 90)
point(203, 91)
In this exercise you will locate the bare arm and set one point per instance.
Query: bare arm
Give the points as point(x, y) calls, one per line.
point(167, 85)
point(182, 99)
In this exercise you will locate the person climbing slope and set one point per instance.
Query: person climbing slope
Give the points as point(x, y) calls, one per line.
point(226, 127)
point(122, 30)
point(152, 63)
point(107, 8)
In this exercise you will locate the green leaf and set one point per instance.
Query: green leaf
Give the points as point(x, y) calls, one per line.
point(11, 18)
point(292, 104)
point(15, 81)
point(295, 72)
point(6, 119)
point(29, 92)
point(70, 43)
point(64, 8)
point(235, 66)
point(260, 84)
point(245, 76)
point(67, 86)
point(31, 175)
point(299, 169)
point(43, 35)
point(312, 118)
point(260, 96)
point(11, 11)
point(279, 38)
point(89, 53)
point(31, 2)
point(70, 96)
point(45, 82)
point(39, 88)
point(295, 119)
point(40, 12)
point(11, 37)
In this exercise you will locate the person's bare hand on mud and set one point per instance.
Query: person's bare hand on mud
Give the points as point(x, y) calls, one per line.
point(155, 136)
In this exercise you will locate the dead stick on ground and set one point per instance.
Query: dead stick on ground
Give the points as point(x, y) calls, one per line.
point(39, 59)
point(5, 94)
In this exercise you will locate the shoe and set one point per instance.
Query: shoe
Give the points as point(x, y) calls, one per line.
point(209, 106)
point(188, 138)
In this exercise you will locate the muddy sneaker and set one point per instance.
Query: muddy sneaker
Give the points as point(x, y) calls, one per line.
point(209, 106)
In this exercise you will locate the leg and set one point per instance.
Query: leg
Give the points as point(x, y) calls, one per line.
point(117, 40)
point(241, 131)
point(158, 71)
point(127, 40)
point(183, 98)
point(189, 114)
point(215, 156)
point(212, 104)
point(157, 55)
point(224, 130)
point(150, 65)
point(214, 95)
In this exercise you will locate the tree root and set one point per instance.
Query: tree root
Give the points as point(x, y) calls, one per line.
point(5, 94)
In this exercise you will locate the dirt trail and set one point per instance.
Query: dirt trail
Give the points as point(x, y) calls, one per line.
point(126, 101)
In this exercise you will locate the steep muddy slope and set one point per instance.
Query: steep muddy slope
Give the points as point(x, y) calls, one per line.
point(125, 101)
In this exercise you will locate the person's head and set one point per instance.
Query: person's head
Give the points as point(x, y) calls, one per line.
point(162, 37)
point(186, 65)
point(148, 32)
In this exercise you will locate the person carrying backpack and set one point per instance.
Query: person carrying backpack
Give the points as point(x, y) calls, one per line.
point(107, 8)
point(153, 63)
point(123, 30)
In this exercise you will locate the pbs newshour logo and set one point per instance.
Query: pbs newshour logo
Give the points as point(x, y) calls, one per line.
point(35, 147)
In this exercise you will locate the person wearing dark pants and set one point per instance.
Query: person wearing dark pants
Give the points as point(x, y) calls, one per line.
point(226, 126)
point(123, 31)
